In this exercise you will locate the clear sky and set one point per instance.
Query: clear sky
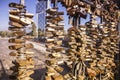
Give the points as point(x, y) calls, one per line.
point(31, 6)
point(4, 15)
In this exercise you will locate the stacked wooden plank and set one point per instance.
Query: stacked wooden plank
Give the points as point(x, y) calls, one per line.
point(75, 10)
point(80, 54)
point(107, 50)
point(92, 50)
point(80, 8)
point(23, 63)
point(76, 52)
point(99, 39)
point(93, 42)
point(54, 36)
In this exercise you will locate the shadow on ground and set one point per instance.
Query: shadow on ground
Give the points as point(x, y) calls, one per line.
point(39, 74)
point(3, 72)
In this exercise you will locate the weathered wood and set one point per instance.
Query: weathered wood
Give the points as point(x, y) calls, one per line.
point(23, 63)
point(55, 55)
point(58, 18)
point(14, 28)
point(16, 11)
point(60, 77)
point(48, 78)
point(50, 40)
point(59, 69)
point(25, 73)
point(17, 46)
point(23, 21)
point(50, 25)
point(16, 5)
point(13, 53)
point(54, 42)
point(16, 24)
point(29, 15)
point(51, 11)
point(50, 29)
point(14, 40)
point(50, 62)
point(51, 46)
point(59, 33)
point(26, 78)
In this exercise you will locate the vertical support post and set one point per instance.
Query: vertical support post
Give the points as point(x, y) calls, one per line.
point(101, 20)
point(37, 25)
point(48, 4)
point(55, 4)
point(77, 21)
point(118, 56)
point(22, 2)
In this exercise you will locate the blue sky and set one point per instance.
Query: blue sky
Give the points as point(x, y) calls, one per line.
point(4, 18)
point(30, 4)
